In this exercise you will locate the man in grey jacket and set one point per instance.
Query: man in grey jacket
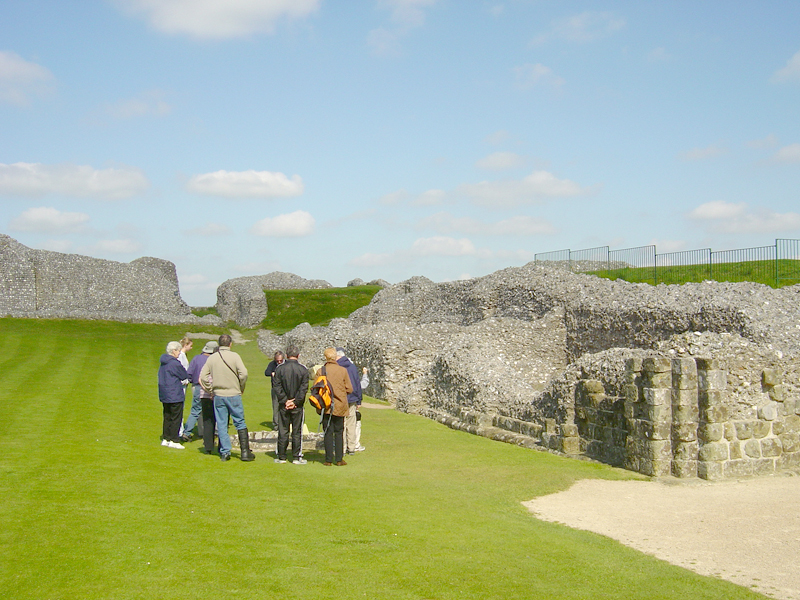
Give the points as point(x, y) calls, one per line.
point(224, 375)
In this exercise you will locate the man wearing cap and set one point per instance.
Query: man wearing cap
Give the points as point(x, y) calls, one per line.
point(202, 401)
point(291, 385)
point(224, 375)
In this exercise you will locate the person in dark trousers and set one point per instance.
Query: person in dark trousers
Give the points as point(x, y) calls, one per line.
point(333, 418)
point(276, 361)
point(171, 376)
point(290, 383)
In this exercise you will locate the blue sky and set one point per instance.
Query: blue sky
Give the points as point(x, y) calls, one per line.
point(393, 138)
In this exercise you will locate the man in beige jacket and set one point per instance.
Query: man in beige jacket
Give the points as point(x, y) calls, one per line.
point(224, 375)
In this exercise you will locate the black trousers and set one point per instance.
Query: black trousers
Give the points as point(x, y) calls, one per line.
point(173, 417)
point(295, 418)
point(207, 419)
point(334, 437)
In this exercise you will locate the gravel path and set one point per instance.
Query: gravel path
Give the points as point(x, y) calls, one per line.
point(747, 532)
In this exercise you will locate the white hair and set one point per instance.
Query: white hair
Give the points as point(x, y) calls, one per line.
point(172, 346)
point(340, 353)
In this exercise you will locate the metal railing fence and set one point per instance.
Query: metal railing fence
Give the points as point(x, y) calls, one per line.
point(777, 265)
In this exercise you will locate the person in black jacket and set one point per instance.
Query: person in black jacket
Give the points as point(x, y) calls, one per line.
point(277, 361)
point(291, 386)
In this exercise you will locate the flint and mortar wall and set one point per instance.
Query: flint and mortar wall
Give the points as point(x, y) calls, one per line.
point(40, 283)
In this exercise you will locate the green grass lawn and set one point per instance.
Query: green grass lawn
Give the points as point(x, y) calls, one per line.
point(768, 272)
point(288, 308)
point(94, 508)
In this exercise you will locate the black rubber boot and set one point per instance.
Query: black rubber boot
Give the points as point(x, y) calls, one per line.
point(244, 446)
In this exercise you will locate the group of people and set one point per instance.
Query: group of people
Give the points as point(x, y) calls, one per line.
point(219, 376)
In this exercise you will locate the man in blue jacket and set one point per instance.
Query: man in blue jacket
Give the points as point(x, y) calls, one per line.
point(171, 375)
point(354, 398)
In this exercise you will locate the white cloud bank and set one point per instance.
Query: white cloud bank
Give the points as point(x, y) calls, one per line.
point(296, 224)
point(528, 76)
point(437, 246)
point(405, 15)
point(445, 223)
point(246, 184)
point(500, 161)
point(536, 187)
point(788, 154)
point(150, 103)
point(586, 27)
point(218, 19)
point(725, 217)
point(49, 220)
point(20, 79)
point(791, 72)
point(702, 153)
point(80, 181)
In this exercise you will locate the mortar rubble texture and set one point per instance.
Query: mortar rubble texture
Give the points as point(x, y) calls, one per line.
point(44, 284)
point(696, 380)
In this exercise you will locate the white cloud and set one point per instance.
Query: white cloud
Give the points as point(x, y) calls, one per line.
point(702, 153)
point(209, 230)
point(372, 260)
point(393, 198)
point(536, 187)
point(528, 76)
point(405, 15)
point(49, 220)
point(196, 282)
point(788, 154)
point(218, 19)
point(586, 27)
point(63, 246)
point(658, 55)
point(500, 161)
point(764, 143)
point(724, 217)
point(384, 42)
point(118, 246)
point(82, 181)
point(430, 198)
point(408, 13)
point(246, 184)
point(791, 72)
point(258, 268)
point(498, 137)
point(444, 223)
point(150, 103)
point(296, 224)
point(443, 246)
point(20, 79)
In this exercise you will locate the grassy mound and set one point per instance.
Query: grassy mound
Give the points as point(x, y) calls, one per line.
point(94, 508)
point(288, 308)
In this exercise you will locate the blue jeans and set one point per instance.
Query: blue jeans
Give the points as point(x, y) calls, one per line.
point(194, 415)
point(224, 406)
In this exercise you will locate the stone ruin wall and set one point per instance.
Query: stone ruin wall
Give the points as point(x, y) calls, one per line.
point(242, 299)
point(40, 283)
point(543, 358)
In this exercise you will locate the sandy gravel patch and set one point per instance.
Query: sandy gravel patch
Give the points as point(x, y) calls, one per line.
point(747, 532)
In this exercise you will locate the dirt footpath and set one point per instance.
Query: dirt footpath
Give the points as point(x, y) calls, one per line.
point(747, 532)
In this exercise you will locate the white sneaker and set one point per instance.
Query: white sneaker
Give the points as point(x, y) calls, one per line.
point(299, 461)
point(360, 448)
point(164, 443)
point(175, 445)
point(280, 461)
